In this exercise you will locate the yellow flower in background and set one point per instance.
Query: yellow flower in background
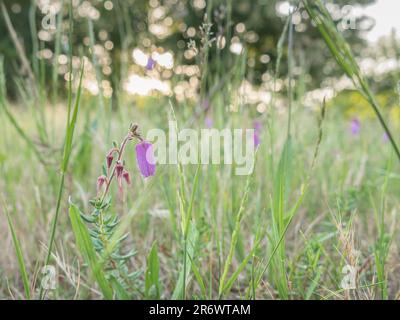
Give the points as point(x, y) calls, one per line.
point(395, 116)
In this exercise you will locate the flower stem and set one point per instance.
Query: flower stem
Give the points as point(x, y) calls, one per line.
point(120, 153)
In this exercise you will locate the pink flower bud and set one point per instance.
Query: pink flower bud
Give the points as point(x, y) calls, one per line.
point(110, 157)
point(119, 168)
point(100, 182)
point(120, 189)
point(127, 177)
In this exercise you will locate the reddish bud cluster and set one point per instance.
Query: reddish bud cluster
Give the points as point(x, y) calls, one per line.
point(144, 158)
point(110, 157)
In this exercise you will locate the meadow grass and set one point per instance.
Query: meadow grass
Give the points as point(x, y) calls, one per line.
point(350, 175)
point(319, 200)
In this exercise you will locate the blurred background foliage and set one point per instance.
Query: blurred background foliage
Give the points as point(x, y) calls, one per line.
point(159, 44)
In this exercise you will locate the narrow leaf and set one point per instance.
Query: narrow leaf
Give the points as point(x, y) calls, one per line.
point(85, 246)
point(18, 252)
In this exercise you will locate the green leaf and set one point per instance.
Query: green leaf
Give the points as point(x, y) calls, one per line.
point(313, 285)
point(152, 283)
point(85, 246)
point(190, 207)
point(70, 128)
point(120, 291)
point(88, 219)
point(235, 275)
point(193, 236)
point(198, 277)
point(234, 237)
point(18, 252)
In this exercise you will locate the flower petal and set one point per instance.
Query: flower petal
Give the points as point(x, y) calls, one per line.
point(145, 158)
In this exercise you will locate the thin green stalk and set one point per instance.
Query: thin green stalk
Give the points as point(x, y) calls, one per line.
point(184, 266)
point(11, 117)
point(344, 56)
point(57, 48)
point(18, 252)
point(70, 128)
point(186, 224)
point(290, 75)
point(95, 63)
point(35, 46)
point(235, 237)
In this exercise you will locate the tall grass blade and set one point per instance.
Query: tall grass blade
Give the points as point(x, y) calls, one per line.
point(70, 128)
point(344, 56)
point(12, 118)
point(192, 238)
point(18, 252)
point(152, 281)
point(234, 237)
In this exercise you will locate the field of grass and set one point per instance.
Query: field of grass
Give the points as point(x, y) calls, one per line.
point(317, 218)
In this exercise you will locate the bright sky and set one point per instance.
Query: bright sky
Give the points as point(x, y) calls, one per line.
point(387, 16)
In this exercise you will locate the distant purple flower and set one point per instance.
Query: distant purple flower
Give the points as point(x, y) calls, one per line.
point(150, 64)
point(385, 137)
point(256, 137)
point(145, 158)
point(205, 104)
point(208, 121)
point(257, 125)
point(355, 126)
point(257, 132)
